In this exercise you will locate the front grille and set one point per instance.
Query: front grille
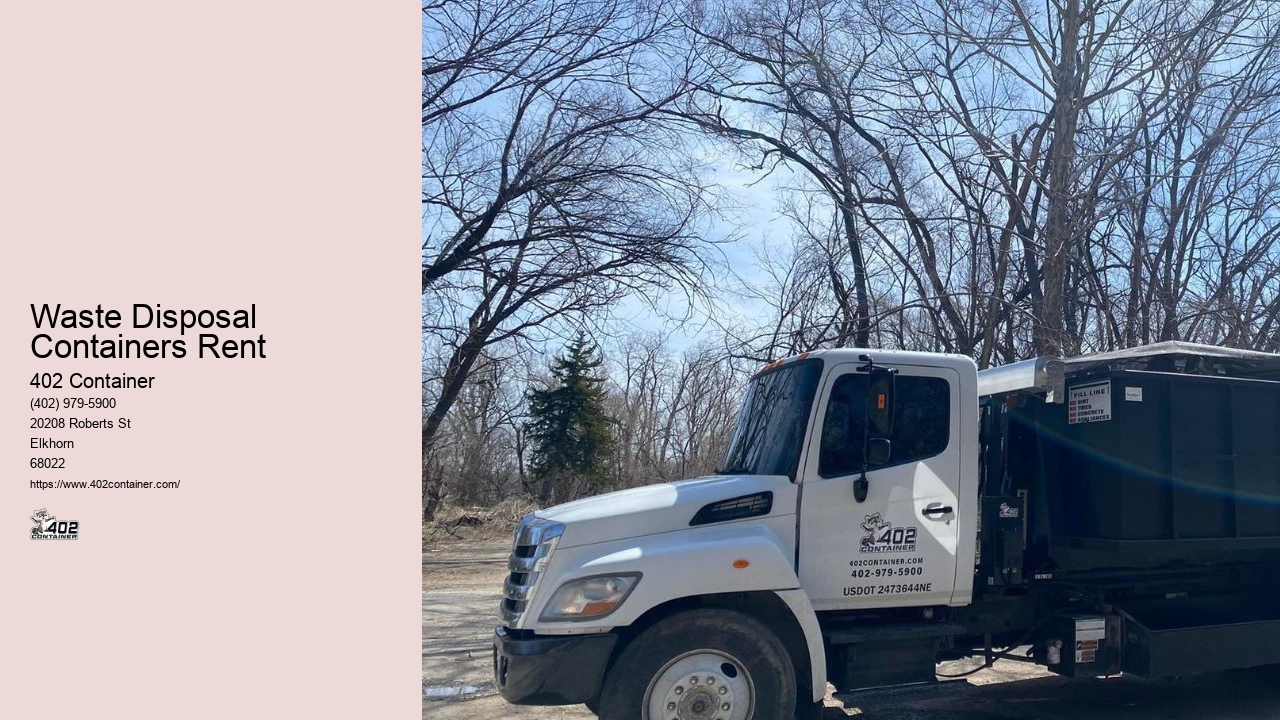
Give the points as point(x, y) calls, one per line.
point(534, 541)
point(512, 610)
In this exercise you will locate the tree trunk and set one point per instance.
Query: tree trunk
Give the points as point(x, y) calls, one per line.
point(1058, 231)
point(862, 304)
point(455, 376)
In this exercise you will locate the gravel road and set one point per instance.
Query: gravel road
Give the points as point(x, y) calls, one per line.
point(462, 581)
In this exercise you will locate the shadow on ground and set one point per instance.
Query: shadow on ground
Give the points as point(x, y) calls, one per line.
point(1242, 695)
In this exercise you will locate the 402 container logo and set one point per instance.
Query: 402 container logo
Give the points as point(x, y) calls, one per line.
point(48, 527)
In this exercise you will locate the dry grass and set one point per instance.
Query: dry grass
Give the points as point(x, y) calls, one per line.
point(473, 523)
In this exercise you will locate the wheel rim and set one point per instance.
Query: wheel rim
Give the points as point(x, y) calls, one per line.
point(701, 685)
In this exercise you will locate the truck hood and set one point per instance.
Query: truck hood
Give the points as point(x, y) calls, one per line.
point(653, 509)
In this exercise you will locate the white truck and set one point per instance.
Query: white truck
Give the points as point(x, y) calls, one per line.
point(878, 512)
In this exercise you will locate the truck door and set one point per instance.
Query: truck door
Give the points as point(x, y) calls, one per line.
point(897, 547)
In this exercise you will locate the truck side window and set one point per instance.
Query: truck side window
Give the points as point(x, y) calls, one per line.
point(920, 429)
point(843, 427)
point(922, 420)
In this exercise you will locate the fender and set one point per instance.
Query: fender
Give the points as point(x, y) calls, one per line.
point(687, 563)
point(798, 601)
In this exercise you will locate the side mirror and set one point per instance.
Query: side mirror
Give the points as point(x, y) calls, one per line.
point(880, 389)
point(878, 451)
point(879, 426)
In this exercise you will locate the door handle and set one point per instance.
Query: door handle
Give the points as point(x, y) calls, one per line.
point(939, 510)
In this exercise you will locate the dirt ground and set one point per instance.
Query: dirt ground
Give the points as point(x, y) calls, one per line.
point(462, 582)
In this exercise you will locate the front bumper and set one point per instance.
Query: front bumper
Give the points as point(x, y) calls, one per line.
point(550, 669)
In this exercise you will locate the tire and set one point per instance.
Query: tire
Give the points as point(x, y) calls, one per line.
point(691, 665)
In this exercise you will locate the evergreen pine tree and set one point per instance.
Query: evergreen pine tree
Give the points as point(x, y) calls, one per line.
point(568, 428)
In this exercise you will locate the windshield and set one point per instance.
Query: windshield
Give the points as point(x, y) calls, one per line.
point(771, 425)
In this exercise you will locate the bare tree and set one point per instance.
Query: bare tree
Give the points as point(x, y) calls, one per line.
point(1196, 224)
point(477, 457)
point(991, 177)
point(1075, 68)
point(552, 183)
point(968, 151)
point(783, 84)
point(817, 85)
point(673, 411)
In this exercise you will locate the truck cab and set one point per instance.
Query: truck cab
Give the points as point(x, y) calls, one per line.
point(842, 541)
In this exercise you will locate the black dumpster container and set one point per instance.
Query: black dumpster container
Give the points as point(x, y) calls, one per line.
point(1143, 468)
point(1151, 481)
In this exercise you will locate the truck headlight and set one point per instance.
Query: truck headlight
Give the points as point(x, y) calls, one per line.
point(590, 597)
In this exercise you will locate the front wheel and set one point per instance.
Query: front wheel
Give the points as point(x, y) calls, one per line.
point(702, 665)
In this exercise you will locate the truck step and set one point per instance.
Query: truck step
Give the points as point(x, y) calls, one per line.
point(868, 656)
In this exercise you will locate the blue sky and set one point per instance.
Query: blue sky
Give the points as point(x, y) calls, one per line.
point(749, 220)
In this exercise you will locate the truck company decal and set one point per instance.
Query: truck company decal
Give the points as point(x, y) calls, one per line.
point(886, 567)
point(883, 537)
point(894, 589)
